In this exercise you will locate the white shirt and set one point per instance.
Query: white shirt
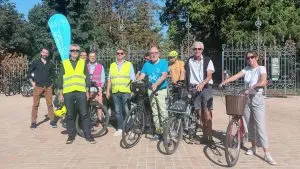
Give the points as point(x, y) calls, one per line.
point(252, 75)
point(196, 71)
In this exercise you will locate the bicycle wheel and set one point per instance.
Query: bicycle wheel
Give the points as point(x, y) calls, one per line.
point(172, 134)
point(133, 126)
point(7, 91)
point(98, 125)
point(25, 88)
point(233, 142)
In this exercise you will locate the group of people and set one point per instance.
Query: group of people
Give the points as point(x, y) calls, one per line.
point(76, 75)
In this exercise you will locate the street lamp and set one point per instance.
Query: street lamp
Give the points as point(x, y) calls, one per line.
point(258, 25)
point(122, 28)
point(188, 25)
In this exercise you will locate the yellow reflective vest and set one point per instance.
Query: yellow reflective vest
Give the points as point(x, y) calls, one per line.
point(74, 80)
point(120, 79)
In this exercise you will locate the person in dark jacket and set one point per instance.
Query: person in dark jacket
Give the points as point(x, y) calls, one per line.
point(74, 82)
point(44, 72)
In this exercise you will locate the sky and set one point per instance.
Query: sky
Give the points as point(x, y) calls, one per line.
point(23, 6)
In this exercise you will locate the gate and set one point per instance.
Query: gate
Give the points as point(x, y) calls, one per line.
point(280, 62)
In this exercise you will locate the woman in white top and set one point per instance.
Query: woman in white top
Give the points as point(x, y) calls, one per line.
point(255, 78)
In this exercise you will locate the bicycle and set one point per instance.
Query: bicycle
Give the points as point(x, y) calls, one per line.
point(183, 119)
point(98, 127)
point(237, 130)
point(26, 89)
point(138, 120)
point(12, 86)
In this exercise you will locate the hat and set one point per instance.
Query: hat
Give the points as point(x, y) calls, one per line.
point(173, 53)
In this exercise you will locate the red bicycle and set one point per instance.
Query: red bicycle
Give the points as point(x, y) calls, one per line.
point(237, 127)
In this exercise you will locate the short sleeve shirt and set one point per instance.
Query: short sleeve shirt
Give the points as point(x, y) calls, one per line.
point(196, 69)
point(252, 75)
point(155, 71)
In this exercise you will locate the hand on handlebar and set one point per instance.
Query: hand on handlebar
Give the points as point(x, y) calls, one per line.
point(221, 85)
point(200, 87)
point(154, 87)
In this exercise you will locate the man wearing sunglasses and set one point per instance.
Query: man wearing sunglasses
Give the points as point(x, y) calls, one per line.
point(157, 71)
point(121, 72)
point(199, 70)
point(73, 83)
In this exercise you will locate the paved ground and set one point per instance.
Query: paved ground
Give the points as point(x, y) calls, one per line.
point(44, 147)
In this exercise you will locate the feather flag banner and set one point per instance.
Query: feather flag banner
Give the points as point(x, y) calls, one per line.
point(61, 32)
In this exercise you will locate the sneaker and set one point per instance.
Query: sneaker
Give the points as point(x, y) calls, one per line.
point(53, 124)
point(156, 137)
point(33, 125)
point(251, 151)
point(91, 140)
point(70, 140)
point(268, 158)
point(118, 132)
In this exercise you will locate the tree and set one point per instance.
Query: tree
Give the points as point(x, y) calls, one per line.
point(14, 30)
point(81, 17)
point(216, 22)
point(38, 17)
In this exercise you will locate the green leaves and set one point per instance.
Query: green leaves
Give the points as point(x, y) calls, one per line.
point(216, 22)
point(14, 30)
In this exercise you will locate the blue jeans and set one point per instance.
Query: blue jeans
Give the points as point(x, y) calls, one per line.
point(122, 104)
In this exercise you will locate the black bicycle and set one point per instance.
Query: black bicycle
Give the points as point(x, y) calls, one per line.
point(98, 125)
point(138, 120)
point(26, 89)
point(183, 119)
point(12, 86)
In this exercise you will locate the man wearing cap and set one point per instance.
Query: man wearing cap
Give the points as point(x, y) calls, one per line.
point(176, 67)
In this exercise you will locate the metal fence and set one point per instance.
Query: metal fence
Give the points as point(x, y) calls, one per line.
point(13, 71)
point(280, 62)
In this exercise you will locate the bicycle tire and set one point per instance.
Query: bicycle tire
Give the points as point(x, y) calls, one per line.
point(7, 91)
point(25, 90)
point(92, 110)
point(104, 122)
point(168, 134)
point(133, 127)
point(233, 141)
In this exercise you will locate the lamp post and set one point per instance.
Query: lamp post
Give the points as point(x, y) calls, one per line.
point(258, 25)
point(188, 25)
point(122, 27)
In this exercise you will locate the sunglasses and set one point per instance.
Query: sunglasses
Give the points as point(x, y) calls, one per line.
point(74, 50)
point(121, 53)
point(250, 57)
point(198, 48)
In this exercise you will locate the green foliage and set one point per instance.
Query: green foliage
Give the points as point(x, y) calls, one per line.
point(216, 22)
point(14, 30)
point(38, 17)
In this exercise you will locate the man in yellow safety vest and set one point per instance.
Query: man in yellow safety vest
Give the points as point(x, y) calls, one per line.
point(73, 83)
point(121, 73)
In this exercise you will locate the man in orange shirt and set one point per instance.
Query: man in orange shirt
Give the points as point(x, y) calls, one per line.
point(176, 67)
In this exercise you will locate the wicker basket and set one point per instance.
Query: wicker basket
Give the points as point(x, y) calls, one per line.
point(235, 105)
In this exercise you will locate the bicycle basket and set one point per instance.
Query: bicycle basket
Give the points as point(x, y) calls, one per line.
point(235, 105)
point(139, 88)
point(178, 105)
